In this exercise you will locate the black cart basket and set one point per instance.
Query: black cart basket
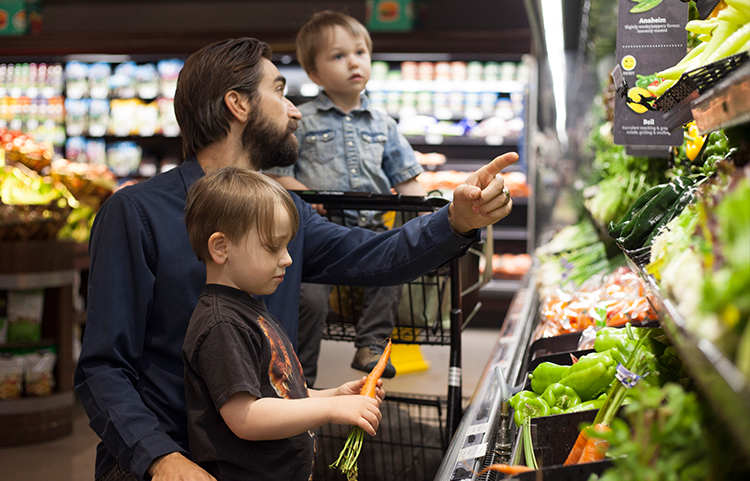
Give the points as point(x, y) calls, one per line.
point(432, 311)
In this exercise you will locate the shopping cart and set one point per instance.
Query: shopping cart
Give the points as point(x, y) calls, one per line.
point(431, 312)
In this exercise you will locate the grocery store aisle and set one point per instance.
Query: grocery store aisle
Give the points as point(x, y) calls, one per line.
point(72, 458)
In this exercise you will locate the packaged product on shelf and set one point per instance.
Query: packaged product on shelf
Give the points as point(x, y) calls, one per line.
point(122, 83)
point(408, 104)
point(393, 102)
point(474, 71)
point(169, 70)
point(147, 119)
point(426, 71)
point(472, 108)
point(75, 149)
point(38, 372)
point(167, 118)
point(76, 115)
point(76, 80)
point(98, 117)
point(507, 266)
point(409, 70)
point(123, 117)
point(147, 81)
point(124, 158)
point(98, 77)
point(491, 72)
point(96, 152)
point(11, 375)
point(442, 71)
point(458, 71)
point(508, 71)
point(441, 106)
point(613, 300)
point(379, 70)
point(25, 315)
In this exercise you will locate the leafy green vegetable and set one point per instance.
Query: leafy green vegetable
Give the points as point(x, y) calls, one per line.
point(668, 439)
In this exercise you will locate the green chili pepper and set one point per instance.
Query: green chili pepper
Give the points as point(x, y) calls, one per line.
point(645, 6)
point(530, 407)
point(561, 396)
point(545, 374)
point(591, 375)
point(585, 406)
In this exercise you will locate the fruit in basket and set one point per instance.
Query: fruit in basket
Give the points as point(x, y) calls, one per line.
point(89, 183)
point(31, 207)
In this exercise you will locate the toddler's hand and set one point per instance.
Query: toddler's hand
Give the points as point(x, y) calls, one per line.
point(354, 387)
point(356, 410)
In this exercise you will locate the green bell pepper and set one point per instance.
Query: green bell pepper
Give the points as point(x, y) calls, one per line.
point(545, 374)
point(621, 346)
point(591, 375)
point(561, 396)
point(529, 406)
point(521, 396)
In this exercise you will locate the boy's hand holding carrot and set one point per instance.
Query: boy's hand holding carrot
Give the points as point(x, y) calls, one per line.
point(355, 387)
point(356, 410)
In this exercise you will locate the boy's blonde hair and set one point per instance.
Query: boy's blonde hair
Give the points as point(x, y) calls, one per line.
point(233, 201)
point(317, 31)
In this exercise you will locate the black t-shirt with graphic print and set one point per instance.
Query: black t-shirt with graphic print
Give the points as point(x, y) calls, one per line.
point(234, 345)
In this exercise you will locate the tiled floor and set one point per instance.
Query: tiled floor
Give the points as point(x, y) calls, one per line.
point(72, 458)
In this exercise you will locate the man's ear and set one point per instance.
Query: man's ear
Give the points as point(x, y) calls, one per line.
point(218, 247)
point(238, 104)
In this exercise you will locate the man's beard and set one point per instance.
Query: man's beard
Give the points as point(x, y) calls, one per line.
point(267, 145)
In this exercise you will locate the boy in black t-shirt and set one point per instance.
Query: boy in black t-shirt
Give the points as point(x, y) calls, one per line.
point(250, 414)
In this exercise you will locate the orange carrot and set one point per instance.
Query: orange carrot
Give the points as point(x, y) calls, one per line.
point(368, 389)
point(575, 453)
point(506, 469)
point(596, 447)
point(347, 460)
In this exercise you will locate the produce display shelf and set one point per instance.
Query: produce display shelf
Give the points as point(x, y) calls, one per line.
point(476, 436)
point(726, 104)
point(726, 388)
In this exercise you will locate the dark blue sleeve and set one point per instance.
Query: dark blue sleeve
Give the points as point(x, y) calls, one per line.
point(121, 285)
point(340, 255)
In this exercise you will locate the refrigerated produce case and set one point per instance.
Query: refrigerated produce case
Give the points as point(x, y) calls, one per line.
point(483, 435)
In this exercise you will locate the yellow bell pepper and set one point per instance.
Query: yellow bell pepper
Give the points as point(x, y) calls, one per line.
point(694, 141)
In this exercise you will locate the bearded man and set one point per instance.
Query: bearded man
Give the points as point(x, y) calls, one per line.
point(144, 279)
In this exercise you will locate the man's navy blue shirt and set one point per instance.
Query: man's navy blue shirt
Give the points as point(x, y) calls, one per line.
point(144, 282)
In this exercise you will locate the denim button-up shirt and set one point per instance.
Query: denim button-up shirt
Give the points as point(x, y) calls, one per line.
point(359, 151)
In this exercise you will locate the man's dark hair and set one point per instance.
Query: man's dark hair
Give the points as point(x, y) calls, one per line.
point(208, 74)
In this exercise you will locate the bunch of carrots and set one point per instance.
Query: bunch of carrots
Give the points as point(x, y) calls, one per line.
point(592, 444)
point(347, 460)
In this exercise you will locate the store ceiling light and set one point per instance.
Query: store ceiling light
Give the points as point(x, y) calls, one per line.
point(552, 20)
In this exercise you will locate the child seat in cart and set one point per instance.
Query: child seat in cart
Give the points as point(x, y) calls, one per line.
point(433, 310)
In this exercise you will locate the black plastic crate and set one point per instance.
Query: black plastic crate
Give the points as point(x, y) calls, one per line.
point(409, 446)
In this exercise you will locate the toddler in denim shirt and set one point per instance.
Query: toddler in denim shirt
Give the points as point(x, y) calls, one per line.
point(344, 145)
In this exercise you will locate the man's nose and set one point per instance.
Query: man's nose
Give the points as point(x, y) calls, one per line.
point(292, 110)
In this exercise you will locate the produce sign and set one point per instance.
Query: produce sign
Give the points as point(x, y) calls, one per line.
point(650, 37)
